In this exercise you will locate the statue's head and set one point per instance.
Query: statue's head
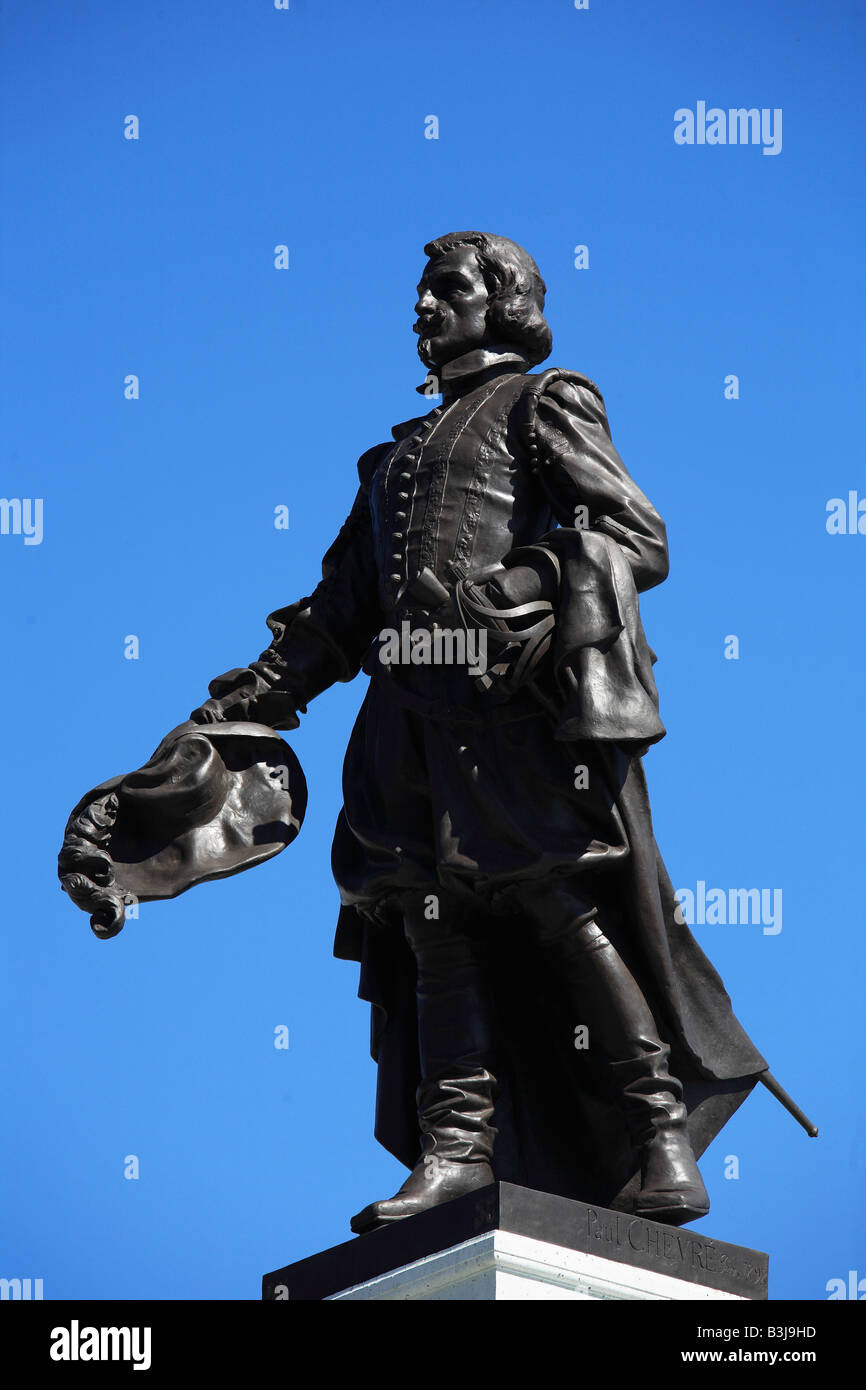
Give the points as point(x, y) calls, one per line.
point(478, 290)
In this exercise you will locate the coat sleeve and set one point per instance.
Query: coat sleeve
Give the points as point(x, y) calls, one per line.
point(610, 545)
point(567, 605)
point(579, 468)
point(319, 639)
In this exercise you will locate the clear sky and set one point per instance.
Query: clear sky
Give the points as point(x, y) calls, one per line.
point(260, 387)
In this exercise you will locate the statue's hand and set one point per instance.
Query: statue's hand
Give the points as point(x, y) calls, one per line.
point(243, 694)
point(213, 712)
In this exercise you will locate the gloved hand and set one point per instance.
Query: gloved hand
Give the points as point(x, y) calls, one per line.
point(244, 694)
point(521, 584)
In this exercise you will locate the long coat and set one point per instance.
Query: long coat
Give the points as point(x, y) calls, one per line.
point(444, 785)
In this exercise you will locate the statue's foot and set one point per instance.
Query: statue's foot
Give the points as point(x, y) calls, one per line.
point(672, 1189)
point(428, 1185)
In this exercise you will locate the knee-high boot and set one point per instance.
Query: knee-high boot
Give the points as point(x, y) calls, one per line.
point(622, 1028)
point(456, 1095)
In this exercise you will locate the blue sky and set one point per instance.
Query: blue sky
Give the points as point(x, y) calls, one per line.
point(261, 387)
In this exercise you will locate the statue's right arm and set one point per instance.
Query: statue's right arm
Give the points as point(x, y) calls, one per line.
point(316, 641)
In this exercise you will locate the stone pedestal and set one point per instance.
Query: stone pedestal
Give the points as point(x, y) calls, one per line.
point(510, 1243)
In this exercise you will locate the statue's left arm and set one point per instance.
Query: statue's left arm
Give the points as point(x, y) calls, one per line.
point(568, 603)
point(579, 467)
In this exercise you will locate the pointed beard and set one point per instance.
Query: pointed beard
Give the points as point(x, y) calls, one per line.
point(423, 347)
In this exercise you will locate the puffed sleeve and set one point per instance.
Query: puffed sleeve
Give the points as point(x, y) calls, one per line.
point(579, 467)
point(566, 607)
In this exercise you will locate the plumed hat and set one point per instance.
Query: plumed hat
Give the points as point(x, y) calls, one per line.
point(212, 800)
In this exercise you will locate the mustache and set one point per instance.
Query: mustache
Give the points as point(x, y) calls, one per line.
point(427, 325)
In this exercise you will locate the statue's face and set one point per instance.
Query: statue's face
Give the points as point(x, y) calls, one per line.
point(451, 307)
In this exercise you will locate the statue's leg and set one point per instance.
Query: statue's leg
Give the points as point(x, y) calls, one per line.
point(622, 1030)
point(456, 1044)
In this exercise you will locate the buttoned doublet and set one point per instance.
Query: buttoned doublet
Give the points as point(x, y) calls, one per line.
point(444, 782)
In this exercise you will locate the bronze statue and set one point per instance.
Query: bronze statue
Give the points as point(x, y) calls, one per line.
point(541, 1013)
